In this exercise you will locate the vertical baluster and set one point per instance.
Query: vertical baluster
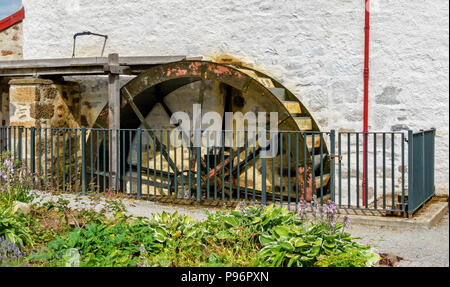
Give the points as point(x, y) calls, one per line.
point(375, 170)
point(64, 159)
point(321, 168)
point(296, 170)
point(393, 169)
point(139, 162)
point(357, 170)
point(384, 170)
point(340, 168)
point(403, 172)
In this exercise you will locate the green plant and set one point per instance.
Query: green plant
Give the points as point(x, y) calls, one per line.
point(17, 181)
point(247, 236)
point(351, 258)
point(14, 226)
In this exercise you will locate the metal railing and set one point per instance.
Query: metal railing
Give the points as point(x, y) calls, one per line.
point(421, 147)
point(230, 166)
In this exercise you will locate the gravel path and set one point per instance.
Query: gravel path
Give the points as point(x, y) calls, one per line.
point(417, 246)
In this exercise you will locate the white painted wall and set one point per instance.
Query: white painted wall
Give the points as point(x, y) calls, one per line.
point(315, 47)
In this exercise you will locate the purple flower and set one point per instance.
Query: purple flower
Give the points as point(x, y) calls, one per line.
point(346, 222)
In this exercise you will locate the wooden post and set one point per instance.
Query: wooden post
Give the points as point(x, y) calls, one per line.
point(113, 70)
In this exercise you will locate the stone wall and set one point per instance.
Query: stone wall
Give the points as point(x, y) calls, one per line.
point(11, 41)
point(314, 47)
point(44, 103)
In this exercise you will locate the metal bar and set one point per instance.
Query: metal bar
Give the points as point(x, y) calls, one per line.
point(289, 168)
point(130, 160)
point(51, 157)
point(296, 170)
point(161, 164)
point(340, 168)
point(32, 149)
point(98, 160)
point(91, 182)
point(332, 168)
point(76, 160)
point(384, 171)
point(246, 166)
point(305, 169)
point(238, 165)
point(207, 164)
point(40, 152)
point(263, 179)
point(281, 169)
point(169, 191)
point(215, 164)
point(70, 157)
point(410, 172)
point(83, 160)
point(139, 162)
point(375, 171)
point(366, 174)
point(124, 167)
point(64, 161)
point(403, 172)
point(349, 170)
point(393, 168)
point(148, 164)
point(104, 158)
point(357, 170)
point(57, 158)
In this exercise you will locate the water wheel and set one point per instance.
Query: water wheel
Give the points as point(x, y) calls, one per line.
point(157, 94)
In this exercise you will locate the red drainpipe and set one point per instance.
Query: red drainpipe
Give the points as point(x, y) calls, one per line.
point(366, 93)
point(13, 19)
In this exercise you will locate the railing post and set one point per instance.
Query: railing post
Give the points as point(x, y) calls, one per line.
point(410, 172)
point(332, 169)
point(197, 144)
point(83, 160)
point(433, 159)
point(139, 162)
point(32, 149)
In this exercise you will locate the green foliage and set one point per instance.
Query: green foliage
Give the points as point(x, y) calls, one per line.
point(251, 236)
point(351, 258)
point(17, 181)
point(14, 226)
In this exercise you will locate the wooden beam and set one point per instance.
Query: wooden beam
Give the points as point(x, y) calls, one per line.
point(114, 116)
point(81, 66)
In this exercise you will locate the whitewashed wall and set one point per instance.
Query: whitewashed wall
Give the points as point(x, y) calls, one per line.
point(315, 47)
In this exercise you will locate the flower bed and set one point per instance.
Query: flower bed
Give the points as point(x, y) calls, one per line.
point(52, 234)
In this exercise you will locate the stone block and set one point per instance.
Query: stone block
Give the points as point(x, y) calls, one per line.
point(24, 94)
point(41, 111)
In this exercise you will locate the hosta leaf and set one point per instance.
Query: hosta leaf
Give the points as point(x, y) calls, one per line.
point(286, 245)
point(299, 243)
point(264, 239)
point(231, 220)
point(282, 231)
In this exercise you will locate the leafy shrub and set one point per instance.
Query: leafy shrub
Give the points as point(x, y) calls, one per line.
point(14, 226)
point(351, 258)
point(247, 236)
